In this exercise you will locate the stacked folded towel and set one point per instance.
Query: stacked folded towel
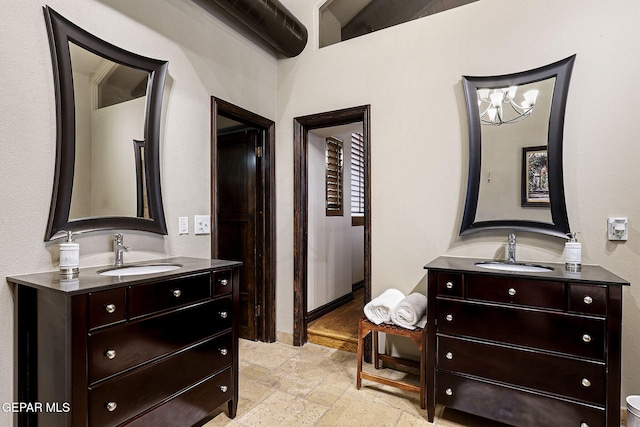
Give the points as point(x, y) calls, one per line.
point(392, 306)
point(410, 312)
point(378, 310)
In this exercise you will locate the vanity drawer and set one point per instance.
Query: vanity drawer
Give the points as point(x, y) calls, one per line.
point(121, 347)
point(549, 330)
point(107, 307)
point(222, 282)
point(574, 378)
point(513, 406)
point(589, 299)
point(450, 284)
point(533, 293)
point(147, 299)
point(141, 389)
point(191, 406)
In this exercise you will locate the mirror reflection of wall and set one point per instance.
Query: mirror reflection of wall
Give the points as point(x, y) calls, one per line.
point(110, 102)
point(501, 168)
point(500, 195)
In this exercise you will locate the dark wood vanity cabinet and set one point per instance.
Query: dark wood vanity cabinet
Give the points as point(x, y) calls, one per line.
point(146, 350)
point(525, 349)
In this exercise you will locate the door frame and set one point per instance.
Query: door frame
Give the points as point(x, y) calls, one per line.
point(267, 292)
point(301, 127)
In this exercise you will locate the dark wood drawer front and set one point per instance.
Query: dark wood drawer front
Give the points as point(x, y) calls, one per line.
point(124, 346)
point(192, 405)
point(570, 377)
point(107, 307)
point(146, 299)
point(555, 331)
point(135, 392)
point(513, 406)
point(534, 293)
point(222, 282)
point(589, 299)
point(450, 284)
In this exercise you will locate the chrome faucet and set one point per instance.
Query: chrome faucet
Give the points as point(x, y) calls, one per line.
point(511, 249)
point(119, 248)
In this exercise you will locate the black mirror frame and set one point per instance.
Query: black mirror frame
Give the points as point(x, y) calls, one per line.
point(559, 226)
point(61, 32)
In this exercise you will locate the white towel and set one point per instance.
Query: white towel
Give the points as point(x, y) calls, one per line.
point(378, 310)
point(410, 312)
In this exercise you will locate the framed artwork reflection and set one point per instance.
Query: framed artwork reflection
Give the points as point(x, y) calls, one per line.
point(535, 179)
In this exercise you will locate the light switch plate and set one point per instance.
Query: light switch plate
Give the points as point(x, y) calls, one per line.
point(201, 224)
point(183, 227)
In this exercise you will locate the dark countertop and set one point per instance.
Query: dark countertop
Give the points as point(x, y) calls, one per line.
point(589, 273)
point(89, 280)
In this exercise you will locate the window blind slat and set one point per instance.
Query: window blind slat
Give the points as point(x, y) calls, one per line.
point(333, 177)
point(357, 174)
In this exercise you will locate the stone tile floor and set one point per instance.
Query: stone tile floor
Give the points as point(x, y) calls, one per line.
point(282, 385)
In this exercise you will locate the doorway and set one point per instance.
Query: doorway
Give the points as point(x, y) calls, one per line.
point(243, 209)
point(302, 127)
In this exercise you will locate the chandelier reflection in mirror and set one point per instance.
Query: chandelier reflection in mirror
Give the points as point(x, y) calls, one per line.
point(499, 106)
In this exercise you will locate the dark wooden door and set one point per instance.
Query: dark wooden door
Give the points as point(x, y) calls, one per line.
point(239, 213)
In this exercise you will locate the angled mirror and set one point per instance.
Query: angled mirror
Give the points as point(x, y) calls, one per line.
point(516, 125)
point(108, 107)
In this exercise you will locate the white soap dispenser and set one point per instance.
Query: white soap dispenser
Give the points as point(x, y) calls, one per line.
point(573, 254)
point(69, 257)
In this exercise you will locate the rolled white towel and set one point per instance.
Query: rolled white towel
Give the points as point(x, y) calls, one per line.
point(378, 310)
point(410, 312)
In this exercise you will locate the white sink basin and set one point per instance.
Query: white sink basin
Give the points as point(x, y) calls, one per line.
point(133, 270)
point(514, 267)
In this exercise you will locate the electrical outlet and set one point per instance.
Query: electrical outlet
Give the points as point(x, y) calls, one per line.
point(183, 225)
point(201, 224)
point(618, 228)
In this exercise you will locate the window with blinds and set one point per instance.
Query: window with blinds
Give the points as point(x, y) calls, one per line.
point(357, 178)
point(334, 177)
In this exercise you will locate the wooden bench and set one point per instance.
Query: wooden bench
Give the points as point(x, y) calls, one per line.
point(418, 336)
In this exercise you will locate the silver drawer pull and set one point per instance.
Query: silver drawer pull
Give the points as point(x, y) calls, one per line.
point(224, 351)
point(449, 285)
point(586, 382)
point(511, 291)
point(449, 317)
point(176, 293)
point(448, 392)
point(588, 300)
point(111, 406)
point(110, 308)
point(224, 388)
point(224, 282)
point(586, 338)
point(111, 354)
point(223, 314)
point(449, 355)
point(584, 425)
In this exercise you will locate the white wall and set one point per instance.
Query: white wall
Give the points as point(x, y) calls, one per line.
point(357, 254)
point(410, 74)
point(329, 237)
point(81, 196)
point(113, 167)
point(206, 58)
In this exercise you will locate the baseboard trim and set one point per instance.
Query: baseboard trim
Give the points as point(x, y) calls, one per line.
point(328, 307)
point(284, 337)
point(357, 285)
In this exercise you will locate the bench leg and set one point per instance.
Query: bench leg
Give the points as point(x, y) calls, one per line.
point(376, 359)
point(361, 335)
